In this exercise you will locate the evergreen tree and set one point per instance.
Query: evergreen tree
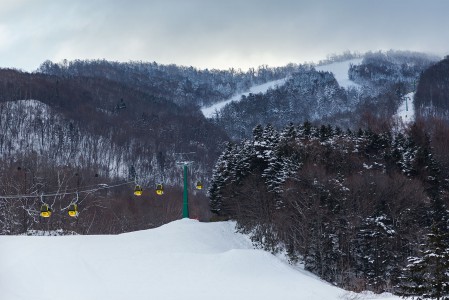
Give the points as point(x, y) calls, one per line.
point(306, 129)
point(244, 162)
point(427, 276)
point(257, 133)
point(219, 177)
point(282, 162)
point(374, 243)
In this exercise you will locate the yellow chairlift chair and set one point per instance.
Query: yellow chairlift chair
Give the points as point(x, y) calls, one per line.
point(199, 185)
point(159, 189)
point(73, 210)
point(45, 211)
point(138, 190)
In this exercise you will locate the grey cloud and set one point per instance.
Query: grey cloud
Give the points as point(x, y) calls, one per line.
point(215, 33)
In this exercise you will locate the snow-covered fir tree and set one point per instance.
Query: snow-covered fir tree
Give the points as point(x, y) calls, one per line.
point(427, 275)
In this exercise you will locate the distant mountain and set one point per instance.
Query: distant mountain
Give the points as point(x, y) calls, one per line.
point(148, 129)
point(380, 70)
point(186, 86)
point(307, 95)
point(340, 93)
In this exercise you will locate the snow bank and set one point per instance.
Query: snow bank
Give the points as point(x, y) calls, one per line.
point(185, 259)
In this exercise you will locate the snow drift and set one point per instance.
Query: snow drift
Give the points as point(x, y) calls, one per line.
point(185, 259)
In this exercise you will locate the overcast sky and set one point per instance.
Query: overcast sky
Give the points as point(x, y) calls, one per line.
point(215, 33)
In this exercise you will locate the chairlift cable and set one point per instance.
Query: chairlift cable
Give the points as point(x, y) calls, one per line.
point(53, 194)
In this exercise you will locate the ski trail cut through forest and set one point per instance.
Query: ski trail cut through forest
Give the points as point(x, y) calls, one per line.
point(339, 69)
point(210, 111)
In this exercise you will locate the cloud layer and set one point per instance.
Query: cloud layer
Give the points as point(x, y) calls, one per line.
point(215, 33)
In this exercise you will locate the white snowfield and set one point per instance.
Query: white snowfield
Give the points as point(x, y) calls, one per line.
point(340, 71)
point(210, 111)
point(185, 260)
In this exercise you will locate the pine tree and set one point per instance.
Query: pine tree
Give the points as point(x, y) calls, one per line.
point(427, 276)
point(257, 133)
point(375, 258)
point(306, 129)
point(220, 175)
point(279, 166)
point(244, 162)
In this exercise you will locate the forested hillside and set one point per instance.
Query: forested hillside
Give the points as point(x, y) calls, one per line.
point(432, 95)
point(355, 207)
point(105, 132)
point(309, 95)
point(383, 69)
point(186, 86)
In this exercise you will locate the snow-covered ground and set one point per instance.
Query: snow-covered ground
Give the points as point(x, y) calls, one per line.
point(185, 260)
point(406, 112)
point(210, 111)
point(340, 71)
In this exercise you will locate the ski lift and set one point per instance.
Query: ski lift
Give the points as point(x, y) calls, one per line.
point(159, 189)
point(138, 190)
point(45, 211)
point(199, 185)
point(73, 210)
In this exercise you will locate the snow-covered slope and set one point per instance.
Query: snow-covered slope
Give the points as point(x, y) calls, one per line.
point(185, 259)
point(210, 111)
point(340, 71)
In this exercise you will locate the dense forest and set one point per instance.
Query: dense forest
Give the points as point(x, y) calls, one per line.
point(143, 123)
point(382, 69)
point(306, 95)
point(354, 207)
point(186, 86)
point(94, 126)
point(432, 95)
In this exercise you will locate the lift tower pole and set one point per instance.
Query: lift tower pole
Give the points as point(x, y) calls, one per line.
point(185, 206)
point(185, 162)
